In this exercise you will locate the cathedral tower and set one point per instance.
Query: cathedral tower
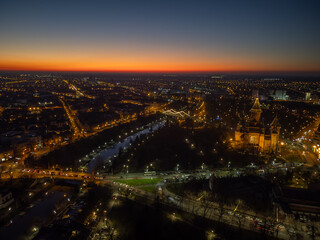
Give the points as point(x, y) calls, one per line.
point(253, 136)
point(256, 111)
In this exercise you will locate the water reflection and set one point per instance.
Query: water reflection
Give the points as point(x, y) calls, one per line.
point(37, 214)
point(114, 150)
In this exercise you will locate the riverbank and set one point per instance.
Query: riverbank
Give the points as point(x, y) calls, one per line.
point(68, 156)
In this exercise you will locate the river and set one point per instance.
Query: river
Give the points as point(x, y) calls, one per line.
point(36, 215)
point(108, 153)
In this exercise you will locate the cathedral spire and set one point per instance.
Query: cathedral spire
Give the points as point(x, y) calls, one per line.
point(256, 111)
point(256, 106)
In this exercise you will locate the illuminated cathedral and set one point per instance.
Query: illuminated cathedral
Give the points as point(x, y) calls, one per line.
point(252, 135)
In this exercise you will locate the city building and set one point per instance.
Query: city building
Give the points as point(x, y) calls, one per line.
point(316, 138)
point(5, 199)
point(308, 96)
point(251, 133)
point(279, 94)
point(255, 93)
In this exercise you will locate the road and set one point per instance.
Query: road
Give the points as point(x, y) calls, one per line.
point(75, 124)
point(38, 174)
point(226, 214)
point(230, 215)
point(210, 211)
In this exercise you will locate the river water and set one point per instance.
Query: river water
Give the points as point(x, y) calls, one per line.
point(42, 209)
point(108, 153)
point(37, 215)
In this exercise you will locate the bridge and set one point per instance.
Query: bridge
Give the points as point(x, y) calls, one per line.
point(174, 113)
point(53, 174)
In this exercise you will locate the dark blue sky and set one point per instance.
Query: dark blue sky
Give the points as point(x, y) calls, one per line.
point(160, 35)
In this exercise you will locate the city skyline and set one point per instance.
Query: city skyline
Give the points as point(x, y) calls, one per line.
point(160, 36)
point(160, 120)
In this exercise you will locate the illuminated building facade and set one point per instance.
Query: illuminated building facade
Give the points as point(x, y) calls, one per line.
point(251, 133)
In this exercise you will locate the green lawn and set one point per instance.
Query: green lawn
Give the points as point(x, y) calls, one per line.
point(139, 182)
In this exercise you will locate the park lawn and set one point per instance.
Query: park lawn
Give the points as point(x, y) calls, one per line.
point(139, 182)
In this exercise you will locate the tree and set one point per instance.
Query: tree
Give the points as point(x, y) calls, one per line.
point(205, 202)
point(189, 123)
point(10, 173)
point(98, 164)
point(182, 196)
point(221, 210)
point(314, 230)
point(2, 168)
point(240, 218)
point(30, 161)
point(276, 226)
point(120, 152)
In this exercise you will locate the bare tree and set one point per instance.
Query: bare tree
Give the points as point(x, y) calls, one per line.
point(2, 168)
point(239, 218)
point(112, 232)
point(291, 233)
point(205, 202)
point(274, 225)
point(98, 164)
point(10, 173)
point(182, 196)
point(189, 195)
point(221, 210)
point(314, 230)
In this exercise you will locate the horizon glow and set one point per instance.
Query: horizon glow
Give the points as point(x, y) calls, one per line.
point(184, 36)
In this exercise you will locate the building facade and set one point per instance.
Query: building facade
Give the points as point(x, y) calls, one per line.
point(316, 138)
point(252, 135)
point(5, 199)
